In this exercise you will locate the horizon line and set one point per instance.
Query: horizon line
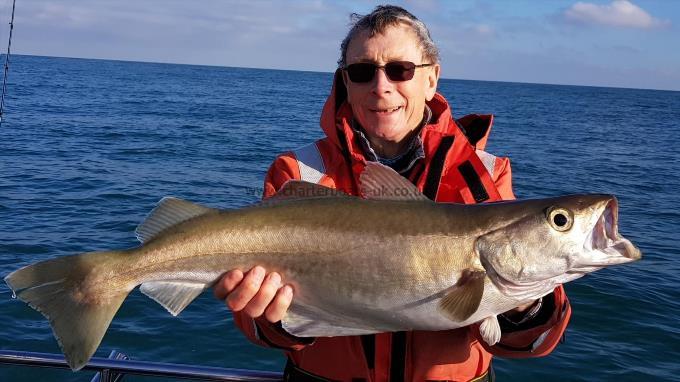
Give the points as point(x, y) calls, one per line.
point(317, 71)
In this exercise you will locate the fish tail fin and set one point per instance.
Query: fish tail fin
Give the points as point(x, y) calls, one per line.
point(78, 308)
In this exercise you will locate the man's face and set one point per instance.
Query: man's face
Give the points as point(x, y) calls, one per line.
point(389, 110)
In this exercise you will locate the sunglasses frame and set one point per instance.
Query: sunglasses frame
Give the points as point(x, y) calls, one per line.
point(405, 67)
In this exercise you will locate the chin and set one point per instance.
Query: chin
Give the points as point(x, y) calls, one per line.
point(388, 130)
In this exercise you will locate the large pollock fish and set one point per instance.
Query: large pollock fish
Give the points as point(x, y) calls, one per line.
point(394, 261)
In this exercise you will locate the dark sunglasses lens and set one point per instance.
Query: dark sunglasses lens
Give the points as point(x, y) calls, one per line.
point(400, 70)
point(395, 71)
point(362, 72)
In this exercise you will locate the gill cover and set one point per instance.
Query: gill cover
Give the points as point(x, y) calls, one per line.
point(538, 246)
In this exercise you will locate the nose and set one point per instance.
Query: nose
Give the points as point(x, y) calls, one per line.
point(381, 84)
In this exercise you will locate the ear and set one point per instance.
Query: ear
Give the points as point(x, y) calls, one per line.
point(431, 79)
point(345, 80)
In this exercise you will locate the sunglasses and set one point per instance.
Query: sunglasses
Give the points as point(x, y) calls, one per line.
point(396, 71)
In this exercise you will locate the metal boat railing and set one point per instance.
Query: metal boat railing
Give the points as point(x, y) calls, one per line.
point(116, 366)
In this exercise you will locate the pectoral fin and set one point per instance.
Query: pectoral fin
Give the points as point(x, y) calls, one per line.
point(464, 298)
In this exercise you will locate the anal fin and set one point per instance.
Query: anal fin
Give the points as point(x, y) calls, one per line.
point(173, 295)
point(308, 321)
point(464, 298)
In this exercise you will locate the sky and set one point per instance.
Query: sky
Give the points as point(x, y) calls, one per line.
point(620, 43)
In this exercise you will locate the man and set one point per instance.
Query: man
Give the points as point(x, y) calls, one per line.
point(384, 107)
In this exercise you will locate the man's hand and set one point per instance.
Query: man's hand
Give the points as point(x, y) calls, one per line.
point(256, 293)
point(524, 307)
point(520, 311)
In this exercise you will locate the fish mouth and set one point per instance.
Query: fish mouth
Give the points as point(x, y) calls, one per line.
point(604, 243)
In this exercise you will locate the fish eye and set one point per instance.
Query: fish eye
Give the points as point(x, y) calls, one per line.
point(560, 219)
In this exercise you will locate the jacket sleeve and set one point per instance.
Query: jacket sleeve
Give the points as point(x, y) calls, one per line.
point(259, 330)
point(502, 177)
point(536, 336)
point(283, 169)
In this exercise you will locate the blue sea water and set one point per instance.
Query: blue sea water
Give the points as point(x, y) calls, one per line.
point(89, 146)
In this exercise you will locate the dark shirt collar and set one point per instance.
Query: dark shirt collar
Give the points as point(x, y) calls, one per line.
point(402, 162)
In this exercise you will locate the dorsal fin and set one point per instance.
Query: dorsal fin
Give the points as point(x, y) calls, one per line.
point(299, 189)
point(378, 181)
point(169, 211)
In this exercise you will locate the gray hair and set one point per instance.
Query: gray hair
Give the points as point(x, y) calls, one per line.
point(382, 17)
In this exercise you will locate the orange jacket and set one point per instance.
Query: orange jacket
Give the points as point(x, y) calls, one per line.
point(468, 175)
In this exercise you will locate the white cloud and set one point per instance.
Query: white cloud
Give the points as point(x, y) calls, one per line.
point(485, 30)
point(619, 13)
point(300, 35)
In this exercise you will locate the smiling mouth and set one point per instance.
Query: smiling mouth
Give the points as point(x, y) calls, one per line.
point(387, 110)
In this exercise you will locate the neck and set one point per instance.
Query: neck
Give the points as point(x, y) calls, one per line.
point(391, 149)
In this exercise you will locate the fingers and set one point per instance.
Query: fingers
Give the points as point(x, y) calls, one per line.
point(227, 283)
point(257, 305)
point(278, 308)
point(255, 293)
point(522, 308)
point(246, 289)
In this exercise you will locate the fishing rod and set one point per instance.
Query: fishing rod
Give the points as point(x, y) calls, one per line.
point(4, 77)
